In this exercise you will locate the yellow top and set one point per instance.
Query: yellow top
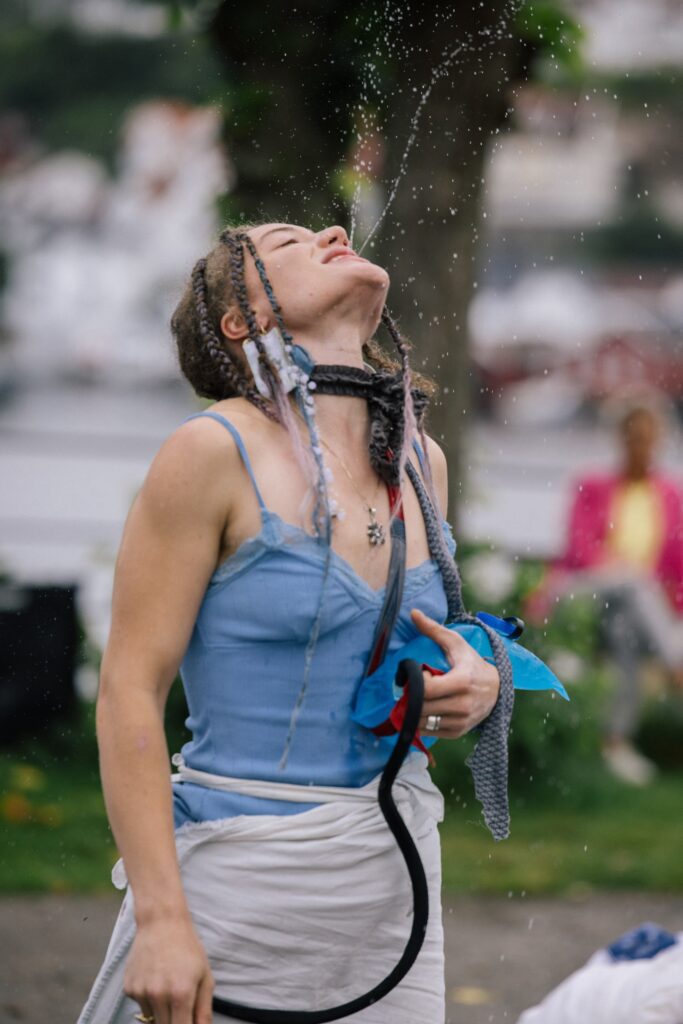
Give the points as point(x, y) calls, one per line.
point(637, 523)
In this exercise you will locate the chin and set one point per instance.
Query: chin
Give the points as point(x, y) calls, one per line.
point(372, 272)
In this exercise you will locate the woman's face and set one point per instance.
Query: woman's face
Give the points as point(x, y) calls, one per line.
point(315, 276)
point(640, 433)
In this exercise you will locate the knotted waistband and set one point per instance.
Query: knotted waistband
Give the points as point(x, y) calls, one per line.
point(413, 782)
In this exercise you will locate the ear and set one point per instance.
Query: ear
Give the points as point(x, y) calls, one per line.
point(233, 325)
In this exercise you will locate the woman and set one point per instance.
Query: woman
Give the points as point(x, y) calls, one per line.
point(624, 544)
point(219, 575)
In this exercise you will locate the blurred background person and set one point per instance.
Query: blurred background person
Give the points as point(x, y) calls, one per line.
point(624, 544)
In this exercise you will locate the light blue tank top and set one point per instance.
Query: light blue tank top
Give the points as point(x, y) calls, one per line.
point(243, 666)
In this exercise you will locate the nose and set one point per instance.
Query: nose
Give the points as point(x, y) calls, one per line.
point(334, 235)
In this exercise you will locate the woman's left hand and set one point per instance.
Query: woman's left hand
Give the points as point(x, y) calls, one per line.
point(467, 693)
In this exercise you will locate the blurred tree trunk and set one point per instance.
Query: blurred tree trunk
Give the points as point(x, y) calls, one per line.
point(431, 241)
point(295, 80)
point(291, 90)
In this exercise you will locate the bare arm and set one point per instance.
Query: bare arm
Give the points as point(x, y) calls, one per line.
point(169, 550)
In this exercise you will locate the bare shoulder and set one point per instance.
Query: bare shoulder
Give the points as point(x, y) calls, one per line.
point(439, 465)
point(189, 455)
point(238, 411)
point(192, 476)
point(436, 454)
point(201, 442)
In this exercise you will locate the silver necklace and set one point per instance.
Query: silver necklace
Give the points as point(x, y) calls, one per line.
point(375, 530)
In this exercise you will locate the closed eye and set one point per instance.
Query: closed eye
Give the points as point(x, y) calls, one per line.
point(290, 241)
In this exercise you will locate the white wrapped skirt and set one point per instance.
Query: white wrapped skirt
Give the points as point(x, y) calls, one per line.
point(302, 911)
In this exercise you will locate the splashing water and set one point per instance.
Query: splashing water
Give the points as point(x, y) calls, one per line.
point(371, 94)
point(481, 39)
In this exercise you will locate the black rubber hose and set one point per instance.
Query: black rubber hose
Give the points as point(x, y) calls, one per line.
point(409, 673)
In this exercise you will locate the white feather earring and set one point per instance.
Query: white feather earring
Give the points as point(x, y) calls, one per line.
point(277, 356)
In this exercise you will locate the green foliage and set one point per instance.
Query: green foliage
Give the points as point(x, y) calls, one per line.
point(554, 745)
point(54, 833)
point(640, 89)
point(640, 235)
point(660, 733)
point(174, 719)
point(553, 33)
point(175, 15)
point(85, 84)
point(573, 827)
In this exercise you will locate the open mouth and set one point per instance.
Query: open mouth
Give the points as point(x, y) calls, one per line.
point(345, 256)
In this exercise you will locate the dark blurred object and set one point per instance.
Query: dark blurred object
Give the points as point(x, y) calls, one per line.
point(39, 642)
point(660, 731)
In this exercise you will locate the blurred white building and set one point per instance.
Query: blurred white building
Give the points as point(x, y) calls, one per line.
point(549, 323)
point(631, 34)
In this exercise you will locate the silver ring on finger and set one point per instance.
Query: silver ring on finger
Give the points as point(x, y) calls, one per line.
point(433, 723)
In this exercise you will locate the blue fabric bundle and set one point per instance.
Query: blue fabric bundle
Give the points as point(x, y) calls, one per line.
point(641, 943)
point(377, 693)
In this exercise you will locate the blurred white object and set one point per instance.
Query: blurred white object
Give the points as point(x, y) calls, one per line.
point(568, 180)
point(628, 765)
point(493, 575)
point(672, 300)
point(99, 17)
point(539, 401)
point(567, 665)
point(630, 34)
point(86, 682)
point(61, 191)
point(646, 991)
point(560, 310)
point(96, 267)
point(556, 307)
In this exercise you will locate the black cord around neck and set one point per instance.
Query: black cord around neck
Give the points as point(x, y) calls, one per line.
point(385, 395)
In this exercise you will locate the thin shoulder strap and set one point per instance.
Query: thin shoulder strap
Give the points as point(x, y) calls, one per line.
point(420, 455)
point(240, 446)
point(421, 459)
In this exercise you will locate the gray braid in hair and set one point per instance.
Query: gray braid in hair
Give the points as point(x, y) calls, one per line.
point(322, 509)
point(396, 416)
point(230, 371)
point(413, 418)
point(233, 241)
point(488, 761)
point(322, 517)
point(268, 288)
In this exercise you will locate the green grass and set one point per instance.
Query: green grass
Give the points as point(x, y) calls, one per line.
point(54, 838)
point(572, 827)
point(629, 838)
point(54, 834)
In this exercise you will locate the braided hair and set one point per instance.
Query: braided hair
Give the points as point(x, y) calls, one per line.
point(210, 366)
point(216, 283)
point(218, 370)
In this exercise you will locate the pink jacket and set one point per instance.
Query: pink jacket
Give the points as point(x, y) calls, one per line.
point(589, 520)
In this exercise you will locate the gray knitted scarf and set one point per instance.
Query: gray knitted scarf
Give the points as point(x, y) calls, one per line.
point(385, 398)
point(488, 761)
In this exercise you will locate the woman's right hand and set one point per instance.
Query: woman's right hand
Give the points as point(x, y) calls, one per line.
point(168, 973)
